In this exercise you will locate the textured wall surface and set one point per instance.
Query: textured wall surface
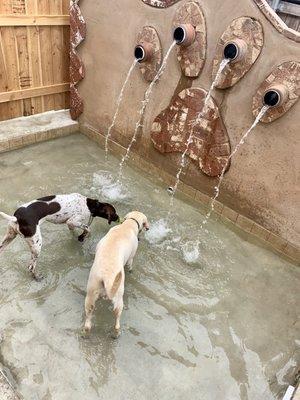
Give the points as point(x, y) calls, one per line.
point(262, 180)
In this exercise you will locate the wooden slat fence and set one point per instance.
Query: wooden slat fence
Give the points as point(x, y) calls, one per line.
point(289, 12)
point(34, 56)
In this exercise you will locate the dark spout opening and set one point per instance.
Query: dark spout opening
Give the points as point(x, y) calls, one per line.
point(179, 35)
point(271, 98)
point(231, 51)
point(139, 53)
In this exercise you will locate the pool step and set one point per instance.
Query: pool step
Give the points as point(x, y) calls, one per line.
point(20, 132)
point(7, 391)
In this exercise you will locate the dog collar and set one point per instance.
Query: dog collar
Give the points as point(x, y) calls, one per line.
point(90, 220)
point(133, 219)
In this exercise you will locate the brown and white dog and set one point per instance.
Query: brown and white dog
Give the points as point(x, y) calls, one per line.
point(115, 250)
point(72, 209)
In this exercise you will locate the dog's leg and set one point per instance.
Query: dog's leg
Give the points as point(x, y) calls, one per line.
point(72, 224)
point(129, 264)
point(90, 301)
point(8, 238)
point(84, 234)
point(118, 308)
point(35, 244)
point(118, 311)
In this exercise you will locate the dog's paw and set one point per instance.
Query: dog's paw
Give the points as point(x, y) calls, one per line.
point(116, 334)
point(38, 278)
point(81, 237)
point(85, 333)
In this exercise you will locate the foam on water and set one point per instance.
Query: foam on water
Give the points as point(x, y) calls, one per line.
point(106, 185)
point(190, 251)
point(158, 231)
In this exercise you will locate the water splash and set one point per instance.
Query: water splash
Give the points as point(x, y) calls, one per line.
point(105, 185)
point(117, 107)
point(191, 250)
point(158, 231)
point(142, 110)
point(244, 137)
point(172, 190)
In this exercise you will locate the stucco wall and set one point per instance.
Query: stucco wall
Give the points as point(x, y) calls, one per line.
point(262, 180)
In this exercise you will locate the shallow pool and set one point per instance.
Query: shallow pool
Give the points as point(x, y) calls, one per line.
point(223, 327)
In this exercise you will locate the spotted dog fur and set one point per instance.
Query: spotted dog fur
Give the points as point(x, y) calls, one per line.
point(72, 209)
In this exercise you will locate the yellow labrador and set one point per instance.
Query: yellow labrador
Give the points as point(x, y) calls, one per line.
point(115, 250)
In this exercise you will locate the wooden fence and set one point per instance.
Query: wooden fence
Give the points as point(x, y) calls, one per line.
point(34, 56)
point(288, 11)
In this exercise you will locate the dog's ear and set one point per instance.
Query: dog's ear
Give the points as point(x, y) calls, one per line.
point(92, 206)
point(111, 214)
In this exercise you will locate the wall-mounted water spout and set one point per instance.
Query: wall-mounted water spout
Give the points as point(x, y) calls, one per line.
point(143, 52)
point(189, 33)
point(241, 43)
point(184, 34)
point(235, 50)
point(275, 96)
point(280, 91)
point(148, 52)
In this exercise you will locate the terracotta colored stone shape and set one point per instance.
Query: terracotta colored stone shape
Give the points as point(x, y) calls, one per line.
point(192, 58)
point(76, 103)
point(149, 68)
point(160, 3)
point(170, 131)
point(77, 72)
point(287, 75)
point(245, 30)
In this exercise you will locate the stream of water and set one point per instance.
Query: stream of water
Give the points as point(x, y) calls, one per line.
point(242, 141)
point(118, 107)
point(191, 250)
point(190, 138)
point(142, 111)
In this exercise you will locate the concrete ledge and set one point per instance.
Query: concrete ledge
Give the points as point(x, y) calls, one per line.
point(21, 132)
point(7, 392)
point(278, 244)
point(297, 394)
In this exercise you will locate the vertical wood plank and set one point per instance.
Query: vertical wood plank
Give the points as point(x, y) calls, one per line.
point(66, 7)
point(66, 61)
point(24, 71)
point(4, 111)
point(13, 83)
point(34, 59)
point(46, 54)
point(57, 57)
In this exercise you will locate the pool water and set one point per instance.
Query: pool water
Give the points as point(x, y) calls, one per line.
point(223, 326)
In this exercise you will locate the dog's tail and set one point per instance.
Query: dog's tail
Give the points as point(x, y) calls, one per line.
point(111, 290)
point(10, 218)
